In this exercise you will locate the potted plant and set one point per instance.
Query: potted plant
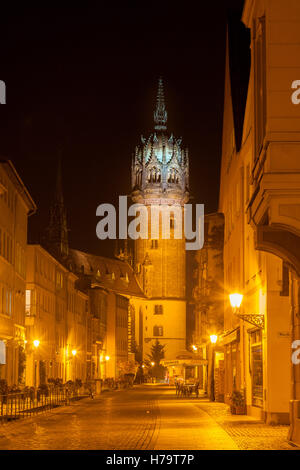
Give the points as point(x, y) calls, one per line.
point(238, 404)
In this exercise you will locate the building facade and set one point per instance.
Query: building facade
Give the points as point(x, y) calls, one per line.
point(57, 316)
point(259, 197)
point(15, 207)
point(115, 297)
point(207, 299)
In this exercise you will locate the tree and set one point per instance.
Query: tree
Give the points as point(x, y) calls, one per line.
point(156, 355)
point(157, 352)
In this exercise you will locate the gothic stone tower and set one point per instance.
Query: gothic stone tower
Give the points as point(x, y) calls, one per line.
point(160, 178)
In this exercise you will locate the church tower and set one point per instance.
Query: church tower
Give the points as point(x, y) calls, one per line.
point(160, 179)
point(56, 240)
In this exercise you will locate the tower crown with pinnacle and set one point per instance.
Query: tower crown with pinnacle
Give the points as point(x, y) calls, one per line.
point(160, 165)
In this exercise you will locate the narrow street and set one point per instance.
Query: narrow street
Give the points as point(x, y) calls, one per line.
point(146, 417)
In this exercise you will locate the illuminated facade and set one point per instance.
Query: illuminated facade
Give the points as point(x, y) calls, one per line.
point(15, 206)
point(57, 316)
point(160, 177)
point(259, 197)
point(112, 286)
point(207, 303)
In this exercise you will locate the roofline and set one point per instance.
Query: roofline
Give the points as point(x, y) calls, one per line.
point(247, 12)
point(37, 245)
point(32, 208)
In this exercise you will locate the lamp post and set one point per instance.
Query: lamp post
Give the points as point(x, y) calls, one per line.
point(213, 340)
point(107, 358)
point(74, 352)
point(36, 344)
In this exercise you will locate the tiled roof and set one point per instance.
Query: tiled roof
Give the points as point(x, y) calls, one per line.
point(112, 274)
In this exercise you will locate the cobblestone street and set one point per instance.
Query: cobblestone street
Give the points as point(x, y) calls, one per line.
point(148, 417)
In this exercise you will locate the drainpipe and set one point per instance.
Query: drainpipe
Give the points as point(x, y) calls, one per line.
point(293, 376)
point(242, 324)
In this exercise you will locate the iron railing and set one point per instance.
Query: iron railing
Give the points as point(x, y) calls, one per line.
point(18, 405)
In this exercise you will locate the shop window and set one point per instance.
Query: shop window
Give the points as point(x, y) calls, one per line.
point(256, 367)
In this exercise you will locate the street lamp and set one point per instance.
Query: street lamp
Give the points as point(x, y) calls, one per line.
point(36, 343)
point(235, 300)
point(107, 358)
point(74, 352)
point(257, 319)
point(152, 364)
point(213, 339)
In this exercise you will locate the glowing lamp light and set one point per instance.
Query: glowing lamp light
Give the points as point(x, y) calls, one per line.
point(194, 347)
point(143, 366)
point(36, 343)
point(107, 358)
point(235, 300)
point(213, 339)
point(74, 352)
point(152, 364)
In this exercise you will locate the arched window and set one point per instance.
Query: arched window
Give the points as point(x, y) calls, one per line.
point(158, 330)
point(173, 176)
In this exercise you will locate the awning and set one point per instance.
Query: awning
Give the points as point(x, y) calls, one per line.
point(229, 337)
point(184, 362)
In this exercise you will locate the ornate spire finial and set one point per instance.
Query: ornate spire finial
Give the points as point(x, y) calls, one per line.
point(160, 113)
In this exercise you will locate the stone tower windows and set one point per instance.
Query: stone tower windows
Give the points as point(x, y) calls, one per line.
point(154, 175)
point(173, 176)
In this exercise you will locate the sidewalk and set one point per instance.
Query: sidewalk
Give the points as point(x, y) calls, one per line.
point(249, 433)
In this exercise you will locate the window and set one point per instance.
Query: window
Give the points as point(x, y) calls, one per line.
point(248, 182)
point(158, 309)
point(154, 244)
point(59, 279)
point(256, 368)
point(158, 331)
point(28, 302)
point(260, 85)
point(285, 291)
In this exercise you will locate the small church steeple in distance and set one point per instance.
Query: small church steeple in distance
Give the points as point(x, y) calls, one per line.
point(57, 232)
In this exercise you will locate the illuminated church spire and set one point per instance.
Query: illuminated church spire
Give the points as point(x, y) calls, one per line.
point(160, 113)
point(160, 166)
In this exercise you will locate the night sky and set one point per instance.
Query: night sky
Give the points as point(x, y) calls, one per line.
point(84, 80)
